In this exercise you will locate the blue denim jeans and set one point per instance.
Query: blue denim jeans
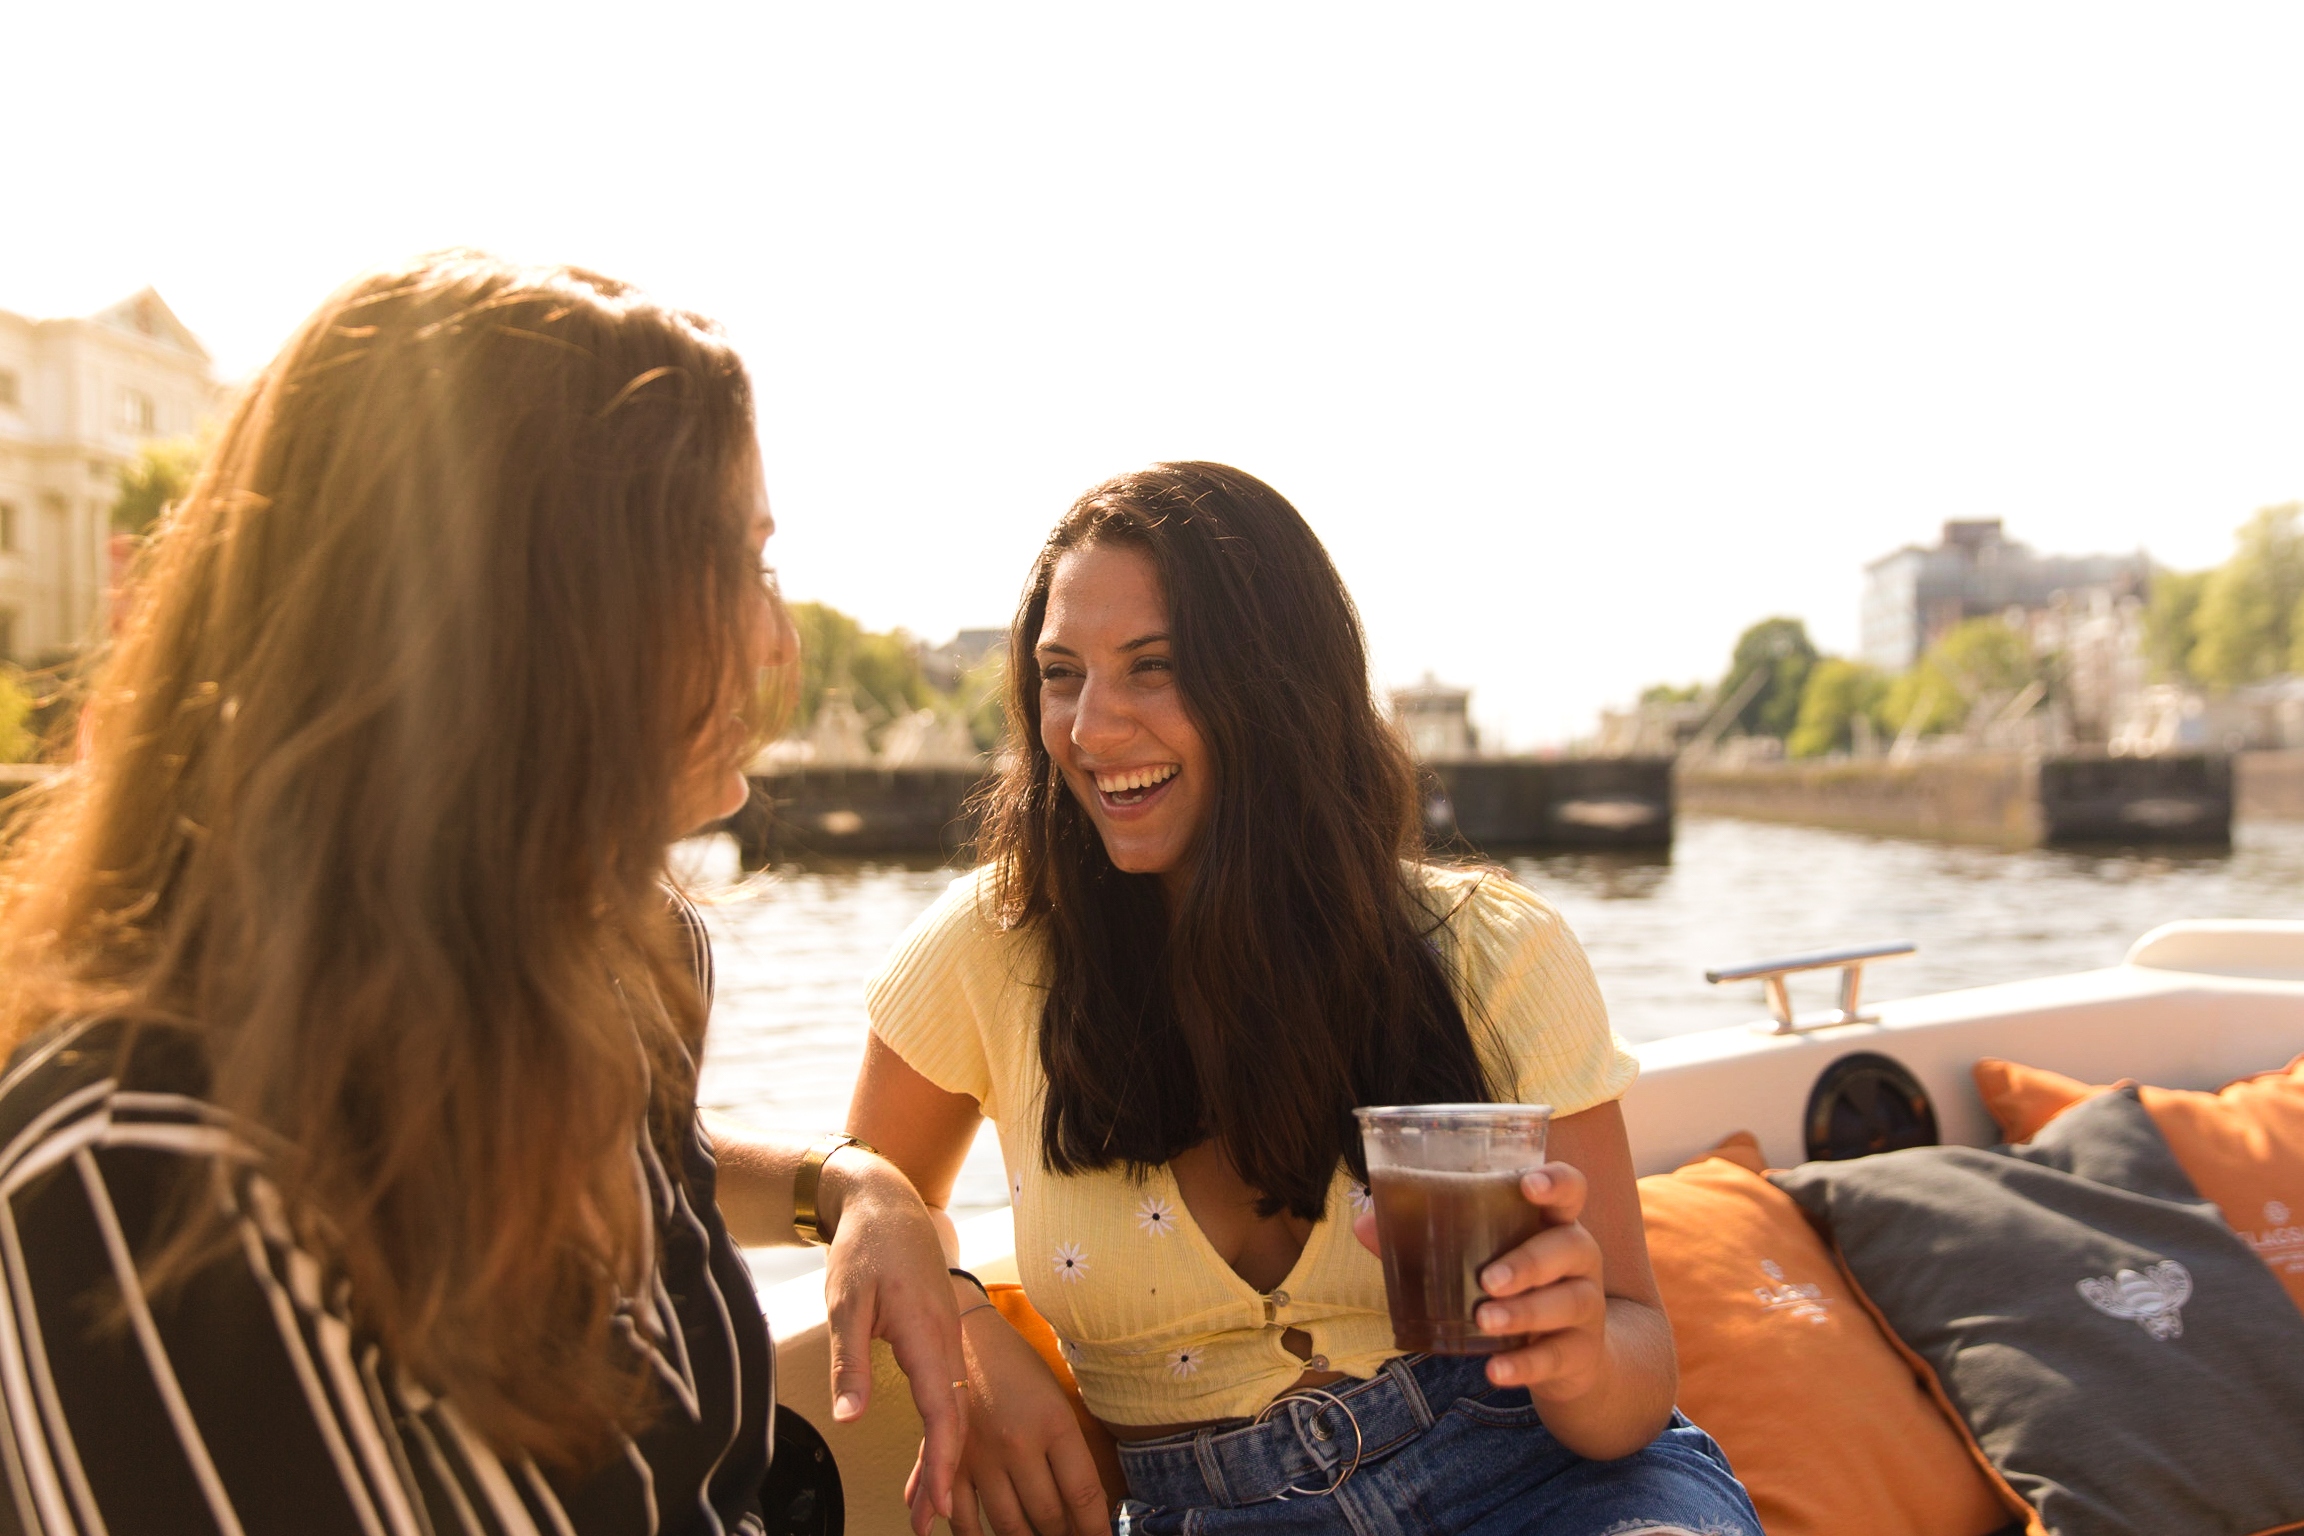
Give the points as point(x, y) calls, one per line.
point(1425, 1448)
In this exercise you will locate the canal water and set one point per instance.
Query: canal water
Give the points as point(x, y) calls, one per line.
point(793, 947)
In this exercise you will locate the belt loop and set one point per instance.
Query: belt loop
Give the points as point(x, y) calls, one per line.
point(1412, 1390)
point(1211, 1467)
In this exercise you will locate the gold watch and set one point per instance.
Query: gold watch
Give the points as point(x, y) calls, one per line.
point(806, 1222)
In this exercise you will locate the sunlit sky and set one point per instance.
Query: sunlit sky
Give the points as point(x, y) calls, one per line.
point(1583, 335)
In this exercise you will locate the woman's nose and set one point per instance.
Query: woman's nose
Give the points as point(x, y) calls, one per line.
point(1100, 722)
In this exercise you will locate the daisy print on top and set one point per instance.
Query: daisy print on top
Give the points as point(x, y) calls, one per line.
point(1184, 1363)
point(1070, 1261)
point(1156, 1216)
point(1357, 1193)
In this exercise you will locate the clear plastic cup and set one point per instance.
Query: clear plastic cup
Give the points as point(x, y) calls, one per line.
point(1446, 1183)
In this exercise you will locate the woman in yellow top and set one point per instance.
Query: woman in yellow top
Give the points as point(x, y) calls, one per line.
point(1201, 936)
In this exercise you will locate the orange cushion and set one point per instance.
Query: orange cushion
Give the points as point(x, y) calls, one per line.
point(1027, 1321)
point(1824, 1422)
point(2242, 1146)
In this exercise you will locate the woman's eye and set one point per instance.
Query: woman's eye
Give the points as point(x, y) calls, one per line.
point(1154, 664)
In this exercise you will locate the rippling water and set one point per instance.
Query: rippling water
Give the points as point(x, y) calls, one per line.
point(793, 949)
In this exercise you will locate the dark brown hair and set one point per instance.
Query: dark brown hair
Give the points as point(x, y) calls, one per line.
point(376, 793)
point(1296, 977)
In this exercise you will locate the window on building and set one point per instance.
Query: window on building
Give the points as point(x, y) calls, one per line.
point(136, 412)
point(8, 534)
point(11, 388)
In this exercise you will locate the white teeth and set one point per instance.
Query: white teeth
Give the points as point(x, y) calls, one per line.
point(1135, 778)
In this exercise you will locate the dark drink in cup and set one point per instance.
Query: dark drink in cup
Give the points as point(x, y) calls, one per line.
point(1446, 1182)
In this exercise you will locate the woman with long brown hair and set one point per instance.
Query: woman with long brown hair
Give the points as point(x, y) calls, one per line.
point(351, 1177)
point(1204, 932)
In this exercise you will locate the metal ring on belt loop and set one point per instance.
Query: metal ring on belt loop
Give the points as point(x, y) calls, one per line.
point(1358, 1444)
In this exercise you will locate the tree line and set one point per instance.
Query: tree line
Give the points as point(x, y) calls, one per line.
point(2236, 623)
point(1816, 704)
point(2233, 624)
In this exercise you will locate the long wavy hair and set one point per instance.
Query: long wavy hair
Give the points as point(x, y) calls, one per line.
point(1296, 976)
point(374, 797)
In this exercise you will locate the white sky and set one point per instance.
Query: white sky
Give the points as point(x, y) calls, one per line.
point(1583, 335)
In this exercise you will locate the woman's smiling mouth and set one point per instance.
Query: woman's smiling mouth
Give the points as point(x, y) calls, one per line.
point(1133, 786)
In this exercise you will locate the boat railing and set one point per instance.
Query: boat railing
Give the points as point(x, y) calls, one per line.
point(1850, 963)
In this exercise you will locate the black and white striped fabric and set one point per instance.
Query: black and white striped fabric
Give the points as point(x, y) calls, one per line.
point(246, 1402)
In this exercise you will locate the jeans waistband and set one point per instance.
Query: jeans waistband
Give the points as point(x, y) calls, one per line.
point(1306, 1442)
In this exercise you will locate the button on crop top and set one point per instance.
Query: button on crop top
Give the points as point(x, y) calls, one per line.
point(1158, 1328)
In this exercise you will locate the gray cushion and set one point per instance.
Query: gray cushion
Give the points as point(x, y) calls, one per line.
point(2123, 1359)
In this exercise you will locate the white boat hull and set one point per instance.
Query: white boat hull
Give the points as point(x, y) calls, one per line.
point(2193, 1006)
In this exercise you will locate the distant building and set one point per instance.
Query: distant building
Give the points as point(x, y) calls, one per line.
point(76, 398)
point(1436, 719)
point(1912, 597)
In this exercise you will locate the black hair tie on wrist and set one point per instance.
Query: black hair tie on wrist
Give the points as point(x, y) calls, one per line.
point(972, 1280)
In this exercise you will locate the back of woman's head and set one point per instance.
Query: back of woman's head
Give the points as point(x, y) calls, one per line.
point(375, 792)
point(1291, 979)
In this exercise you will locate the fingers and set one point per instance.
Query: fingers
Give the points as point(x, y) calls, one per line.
point(966, 1519)
point(1001, 1509)
point(933, 1368)
point(1554, 1254)
point(1573, 1303)
point(1036, 1491)
point(1082, 1490)
point(850, 1322)
point(1559, 1188)
point(1565, 1360)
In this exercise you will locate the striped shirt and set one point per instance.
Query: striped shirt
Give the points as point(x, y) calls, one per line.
point(246, 1401)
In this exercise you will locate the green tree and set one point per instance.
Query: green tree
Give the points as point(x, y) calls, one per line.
point(1978, 657)
point(161, 473)
point(838, 652)
point(2245, 626)
point(1984, 656)
point(1921, 691)
point(2171, 623)
point(1838, 692)
point(1781, 648)
point(1665, 693)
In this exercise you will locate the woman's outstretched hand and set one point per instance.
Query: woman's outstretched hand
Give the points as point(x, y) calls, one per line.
point(1551, 1287)
point(1025, 1460)
point(884, 1278)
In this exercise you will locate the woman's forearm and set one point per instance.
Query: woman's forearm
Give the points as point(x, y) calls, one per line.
point(1634, 1399)
point(756, 1173)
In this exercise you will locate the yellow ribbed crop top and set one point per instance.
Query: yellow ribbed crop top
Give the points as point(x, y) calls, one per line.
point(1158, 1328)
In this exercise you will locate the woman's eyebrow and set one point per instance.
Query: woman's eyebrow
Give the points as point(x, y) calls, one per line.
point(1137, 644)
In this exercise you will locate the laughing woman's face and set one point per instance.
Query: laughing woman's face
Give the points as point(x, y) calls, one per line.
point(1112, 715)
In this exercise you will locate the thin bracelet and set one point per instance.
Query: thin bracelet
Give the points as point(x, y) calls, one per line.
point(807, 1221)
point(980, 1306)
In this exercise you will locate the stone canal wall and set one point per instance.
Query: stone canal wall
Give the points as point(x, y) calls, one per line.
point(856, 813)
point(1489, 805)
point(2269, 786)
point(1499, 805)
point(2004, 799)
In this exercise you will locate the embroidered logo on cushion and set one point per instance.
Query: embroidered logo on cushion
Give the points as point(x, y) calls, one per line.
point(1806, 1301)
point(2278, 1242)
point(2152, 1299)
